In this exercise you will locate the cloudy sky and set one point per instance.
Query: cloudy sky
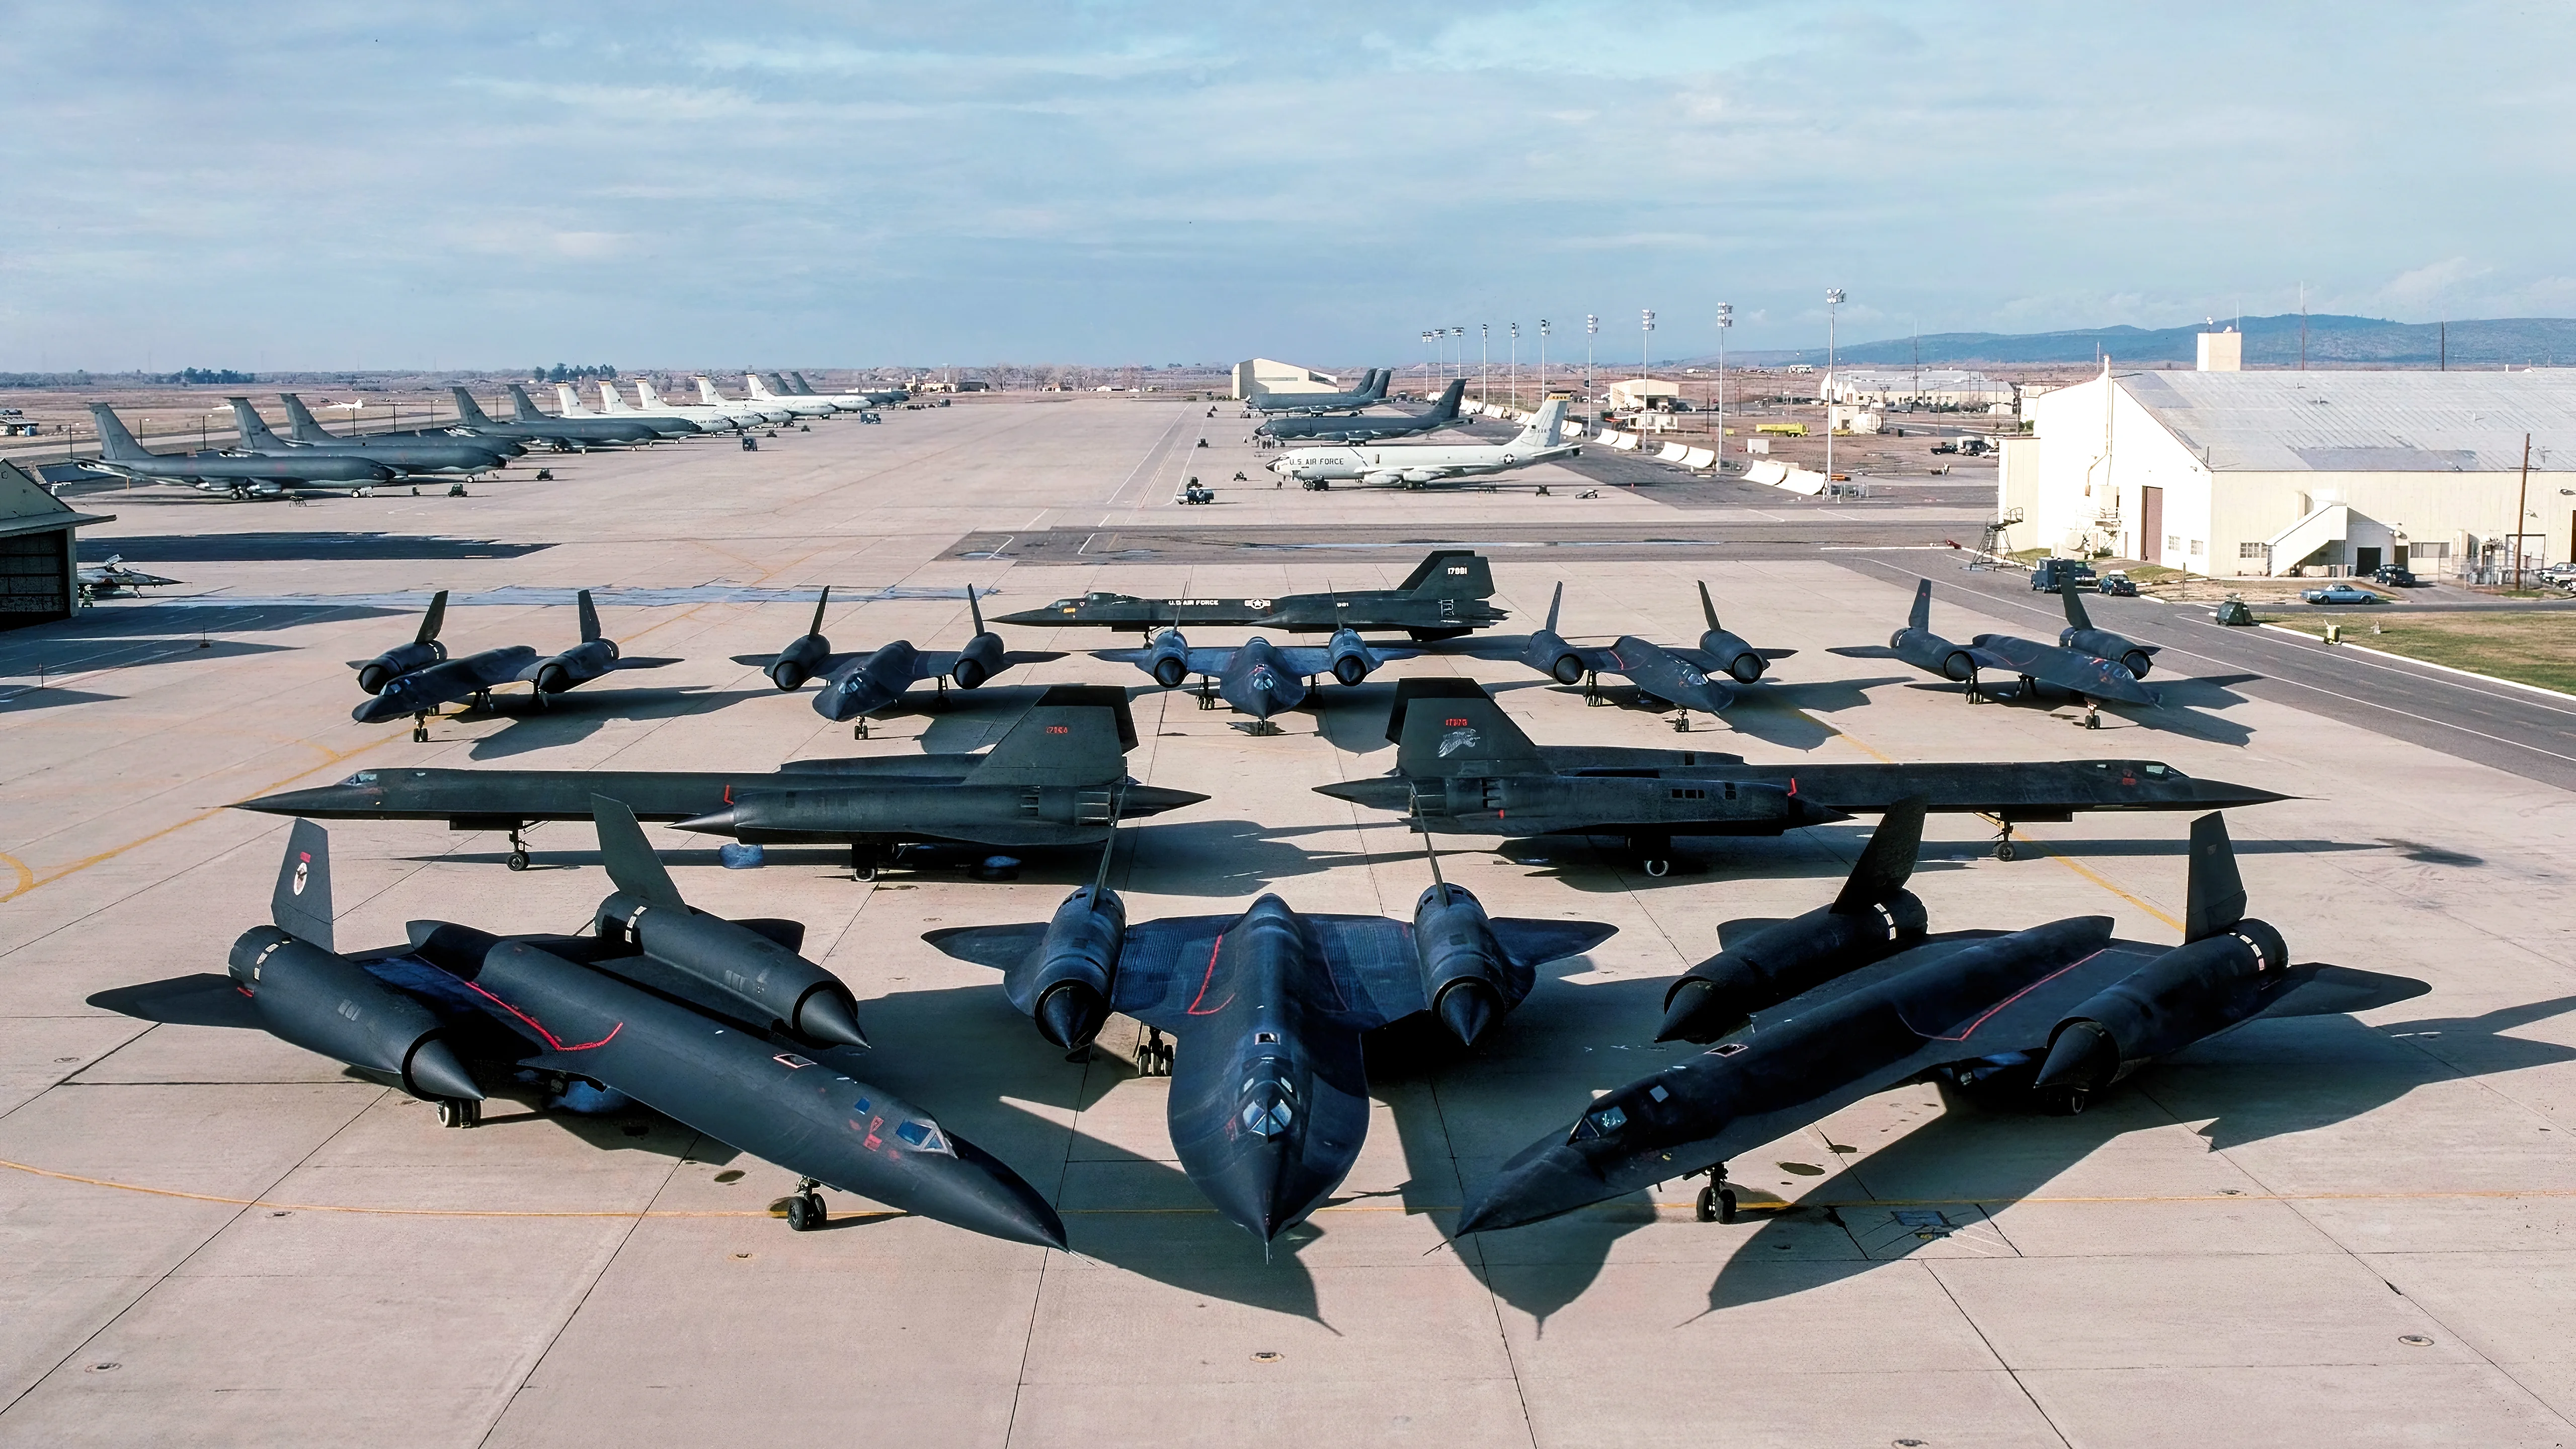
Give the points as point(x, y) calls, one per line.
point(381, 185)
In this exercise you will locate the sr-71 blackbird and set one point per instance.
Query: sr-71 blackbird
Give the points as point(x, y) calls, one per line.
point(1689, 678)
point(1050, 781)
point(1257, 677)
point(2080, 673)
point(874, 681)
point(1448, 594)
point(1464, 766)
point(717, 1024)
point(1854, 999)
point(416, 678)
point(1269, 1101)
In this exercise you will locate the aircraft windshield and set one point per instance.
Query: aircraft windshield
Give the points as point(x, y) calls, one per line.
point(1601, 1122)
point(363, 777)
point(926, 1137)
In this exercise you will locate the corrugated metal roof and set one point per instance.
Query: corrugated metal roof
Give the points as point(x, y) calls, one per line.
point(2365, 422)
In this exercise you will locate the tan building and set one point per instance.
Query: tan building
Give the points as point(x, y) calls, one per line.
point(1262, 377)
point(39, 554)
point(2256, 473)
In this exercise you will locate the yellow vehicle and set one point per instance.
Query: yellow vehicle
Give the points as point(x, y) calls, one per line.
point(1785, 430)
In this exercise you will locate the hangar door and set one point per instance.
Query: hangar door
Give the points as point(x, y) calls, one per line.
point(32, 566)
point(2151, 525)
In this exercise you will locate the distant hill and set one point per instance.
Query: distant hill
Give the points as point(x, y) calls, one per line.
point(2269, 342)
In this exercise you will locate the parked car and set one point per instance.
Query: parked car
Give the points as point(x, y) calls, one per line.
point(2393, 576)
point(2561, 574)
point(2048, 573)
point(2118, 585)
point(2339, 594)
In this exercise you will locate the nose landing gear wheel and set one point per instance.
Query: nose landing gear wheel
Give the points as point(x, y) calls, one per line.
point(1716, 1203)
point(518, 860)
point(1657, 867)
point(805, 1211)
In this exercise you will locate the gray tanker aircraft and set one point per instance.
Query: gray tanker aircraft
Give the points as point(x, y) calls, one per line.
point(873, 681)
point(1829, 1013)
point(2086, 676)
point(407, 457)
point(1368, 427)
point(1269, 1102)
point(1372, 389)
point(717, 1024)
point(564, 435)
point(865, 397)
point(1445, 596)
point(1501, 785)
point(422, 688)
point(302, 427)
point(238, 475)
point(1257, 677)
point(1416, 465)
point(649, 404)
point(803, 407)
point(653, 428)
point(1050, 781)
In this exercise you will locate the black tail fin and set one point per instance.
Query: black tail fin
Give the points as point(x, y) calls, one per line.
point(115, 444)
point(1058, 744)
point(820, 605)
point(1707, 610)
point(632, 865)
point(1921, 618)
point(467, 409)
point(2214, 901)
point(1553, 601)
point(430, 622)
point(301, 425)
point(589, 616)
point(252, 427)
point(2075, 614)
point(1888, 860)
point(301, 904)
point(1450, 573)
point(1449, 400)
point(528, 412)
point(974, 611)
point(1450, 727)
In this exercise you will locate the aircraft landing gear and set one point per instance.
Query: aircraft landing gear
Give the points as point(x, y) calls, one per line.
point(863, 863)
point(518, 852)
point(2092, 711)
point(859, 731)
point(458, 1112)
point(805, 1211)
point(1592, 689)
point(2004, 842)
point(1153, 1055)
point(1654, 855)
point(1207, 692)
point(1716, 1202)
point(1681, 723)
point(420, 729)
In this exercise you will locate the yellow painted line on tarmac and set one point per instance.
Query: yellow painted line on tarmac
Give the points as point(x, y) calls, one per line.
point(28, 880)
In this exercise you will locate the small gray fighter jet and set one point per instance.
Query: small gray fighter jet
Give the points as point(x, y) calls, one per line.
point(718, 1024)
point(1829, 1015)
point(113, 577)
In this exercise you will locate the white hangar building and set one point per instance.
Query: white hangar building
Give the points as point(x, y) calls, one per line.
point(2233, 473)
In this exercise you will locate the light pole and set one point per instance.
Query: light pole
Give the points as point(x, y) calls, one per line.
point(1516, 365)
point(1484, 346)
point(1591, 329)
point(1542, 362)
point(1833, 299)
point(1645, 330)
point(1426, 357)
point(1458, 347)
point(1725, 320)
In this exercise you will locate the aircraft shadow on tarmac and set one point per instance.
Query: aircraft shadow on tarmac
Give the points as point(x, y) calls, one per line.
point(1942, 1179)
point(282, 547)
point(15, 700)
point(577, 715)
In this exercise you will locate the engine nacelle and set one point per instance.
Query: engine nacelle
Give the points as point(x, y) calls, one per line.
point(1466, 975)
point(798, 661)
point(391, 665)
point(743, 963)
point(980, 660)
point(329, 1004)
point(1779, 961)
point(553, 677)
point(1739, 659)
point(1064, 984)
point(2163, 1006)
point(1957, 665)
point(1351, 662)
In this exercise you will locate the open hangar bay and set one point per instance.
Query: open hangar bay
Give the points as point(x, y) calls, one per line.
point(2317, 1231)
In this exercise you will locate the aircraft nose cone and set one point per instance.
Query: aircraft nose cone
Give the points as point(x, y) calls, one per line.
point(1467, 1008)
point(1071, 1015)
point(1384, 792)
point(1540, 1183)
point(1690, 1014)
point(826, 1016)
point(1803, 812)
point(297, 802)
point(719, 823)
point(434, 1071)
point(381, 708)
point(977, 1192)
point(2222, 794)
point(1265, 1189)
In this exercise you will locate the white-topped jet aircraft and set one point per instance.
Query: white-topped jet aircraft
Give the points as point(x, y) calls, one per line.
point(1420, 464)
point(765, 412)
point(611, 405)
point(803, 407)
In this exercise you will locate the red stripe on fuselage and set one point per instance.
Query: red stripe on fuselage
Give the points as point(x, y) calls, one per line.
point(1208, 980)
point(1989, 1012)
point(539, 1027)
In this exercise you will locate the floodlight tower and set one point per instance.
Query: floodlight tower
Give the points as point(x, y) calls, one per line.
point(1725, 320)
point(1542, 362)
point(1427, 335)
point(1591, 329)
point(1833, 299)
point(1484, 347)
point(1516, 365)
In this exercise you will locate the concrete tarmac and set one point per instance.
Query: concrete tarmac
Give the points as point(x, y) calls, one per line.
point(2318, 1231)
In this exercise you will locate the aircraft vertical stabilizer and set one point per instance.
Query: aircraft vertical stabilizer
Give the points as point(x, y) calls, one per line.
point(632, 865)
point(589, 616)
point(1887, 862)
point(2214, 901)
point(115, 444)
point(301, 904)
point(1921, 617)
point(1450, 727)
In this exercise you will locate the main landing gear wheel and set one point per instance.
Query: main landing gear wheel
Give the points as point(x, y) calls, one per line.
point(458, 1112)
point(805, 1211)
point(1716, 1203)
point(518, 852)
point(1153, 1055)
point(420, 729)
point(1656, 866)
point(2004, 843)
point(864, 863)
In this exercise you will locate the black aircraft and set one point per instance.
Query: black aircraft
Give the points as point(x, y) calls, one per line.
point(2080, 635)
point(2087, 676)
point(563, 434)
point(2054, 1014)
point(1372, 389)
point(423, 651)
point(454, 681)
point(303, 427)
point(1257, 677)
point(406, 457)
point(240, 476)
point(1365, 428)
point(1269, 1101)
point(1050, 781)
point(1687, 678)
point(876, 680)
point(719, 1025)
point(1444, 597)
point(1588, 782)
